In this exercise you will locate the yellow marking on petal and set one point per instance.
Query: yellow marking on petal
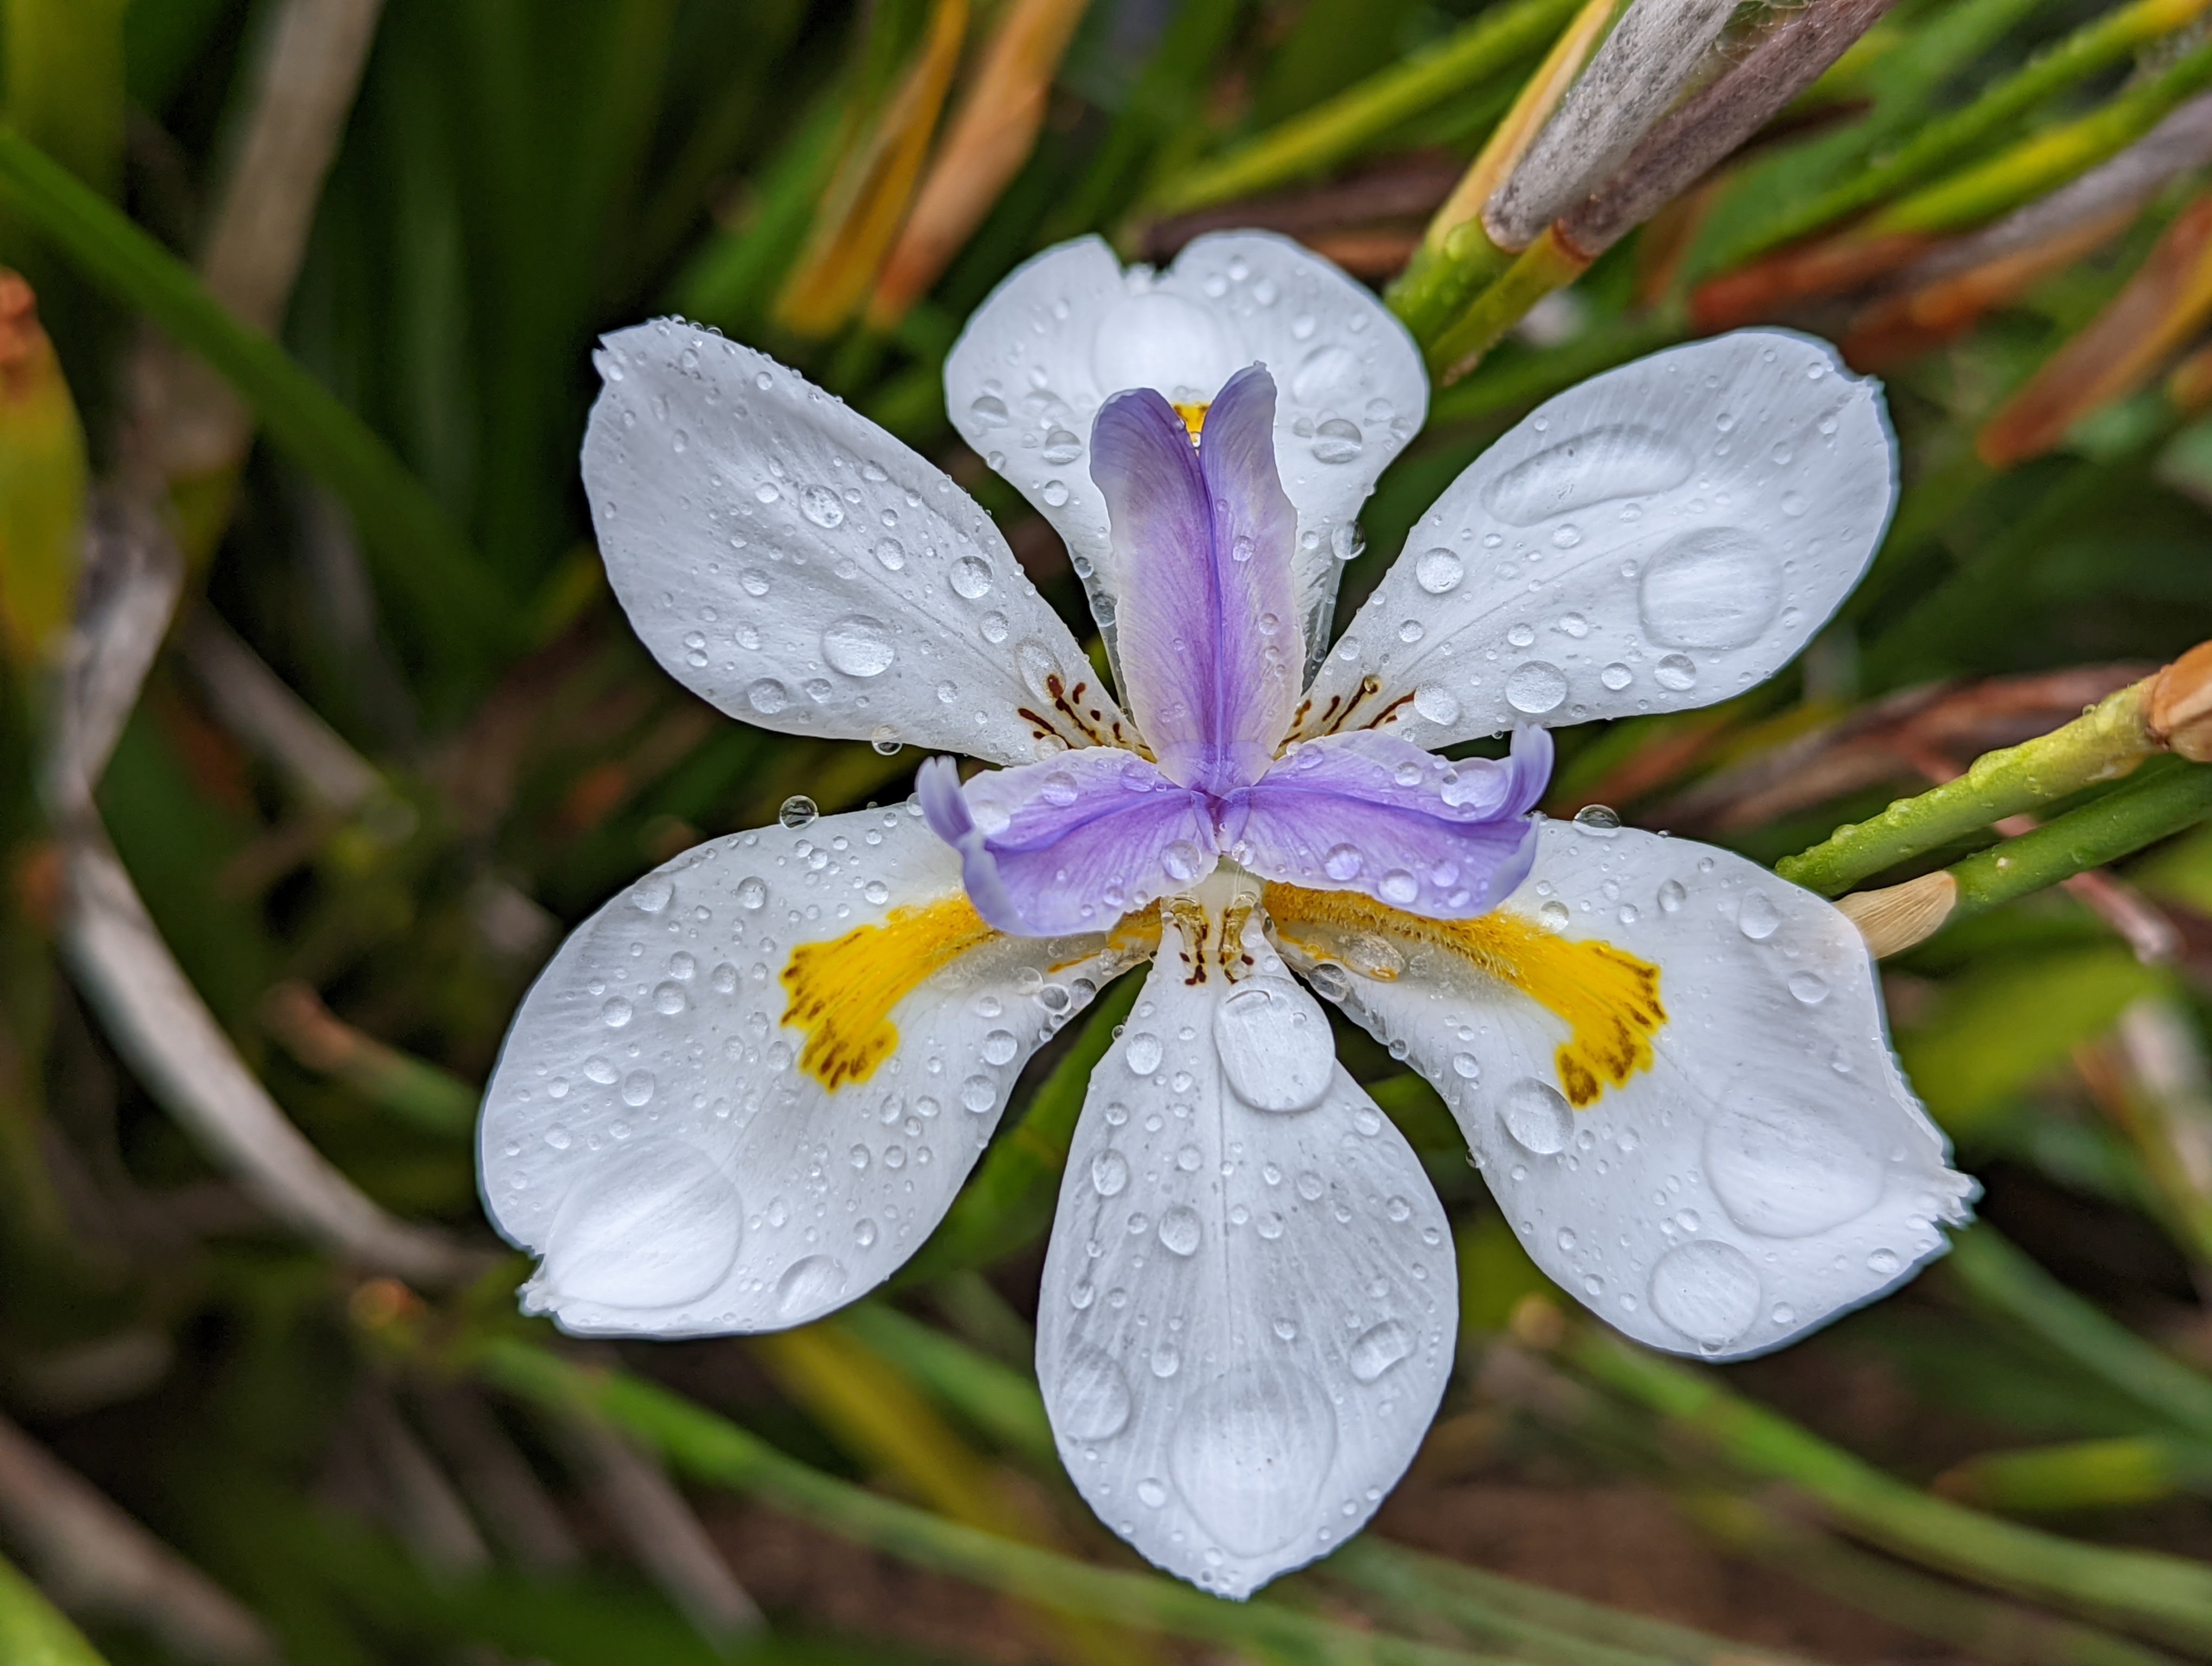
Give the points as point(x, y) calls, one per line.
point(1193, 417)
point(843, 991)
point(1608, 998)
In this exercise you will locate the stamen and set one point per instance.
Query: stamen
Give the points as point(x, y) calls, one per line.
point(843, 991)
point(1608, 998)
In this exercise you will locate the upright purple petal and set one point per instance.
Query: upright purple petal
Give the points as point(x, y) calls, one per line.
point(1208, 624)
point(1070, 844)
point(1371, 813)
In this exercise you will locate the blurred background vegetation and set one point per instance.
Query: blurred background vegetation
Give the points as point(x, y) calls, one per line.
point(310, 750)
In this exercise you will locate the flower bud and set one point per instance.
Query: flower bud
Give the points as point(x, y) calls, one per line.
point(2181, 705)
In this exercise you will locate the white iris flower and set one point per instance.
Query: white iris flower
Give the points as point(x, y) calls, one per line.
point(748, 1088)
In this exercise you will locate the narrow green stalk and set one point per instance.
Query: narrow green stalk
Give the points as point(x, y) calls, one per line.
point(2164, 1594)
point(2045, 159)
point(418, 549)
point(1008, 1201)
point(1544, 265)
point(2136, 814)
point(1336, 129)
point(712, 1450)
point(2081, 1474)
point(2095, 46)
point(1987, 1627)
point(2106, 742)
point(33, 1632)
point(1492, 1608)
point(999, 1401)
point(1997, 1276)
point(1502, 385)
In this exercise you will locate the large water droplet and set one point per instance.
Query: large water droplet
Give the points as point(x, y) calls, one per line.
point(768, 696)
point(858, 646)
point(1093, 1399)
point(1707, 1290)
point(1436, 703)
point(1162, 340)
point(1180, 1231)
point(1438, 571)
point(1537, 1116)
point(970, 577)
point(798, 812)
point(1677, 673)
point(1376, 1350)
point(1788, 1171)
point(810, 1286)
point(1274, 1045)
point(989, 411)
point(1182, 861)
point(1143, 1052)
point(1593, 467)
point(1757, 917)
point(1535, 687)
point(1110, 1173)
point(1322, 372)
point(1250, 1456)
point(1061, 446)
point(1714, 587)
point(820, 505)
point(1336, 440)
point(652, 1228)
point(751, 894)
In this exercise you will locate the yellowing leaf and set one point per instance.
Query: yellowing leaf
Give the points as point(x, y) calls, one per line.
point(868, 195)
point(42, 483)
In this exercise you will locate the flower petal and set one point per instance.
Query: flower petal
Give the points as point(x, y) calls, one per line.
point(1069, 329)
point(747, 1090)
point(790, 562)
point(1249, 1303)
point(1664, 536)
point(1671, 1066)
point(1203, 534)
point(1071, 844)
point(1374, 813)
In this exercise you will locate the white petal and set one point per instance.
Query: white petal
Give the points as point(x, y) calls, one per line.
point(1069, 328)
point(653, 1131)
point(1664, 536)
point(787, 560)
point(1248, 1308)
point(1770, 1168)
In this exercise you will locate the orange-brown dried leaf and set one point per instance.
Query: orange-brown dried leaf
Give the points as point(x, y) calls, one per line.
point(991, 136)
point(42, 483)
point(2162, 307)
point(1813, 271)
point(872, 187)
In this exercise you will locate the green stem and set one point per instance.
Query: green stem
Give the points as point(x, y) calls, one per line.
point(2045, 159)
point(2105, 742)
point(1543, 267)
point(1992, 1271)
point(2081, 1474)
point(714, 1450)
point(1008, 1201)
point(1334, 130)
point(2165, 1595)
point(2138, 812)
point(419, 550)
point(1985, 1628)
point(33, 1632)
point(2104, 40)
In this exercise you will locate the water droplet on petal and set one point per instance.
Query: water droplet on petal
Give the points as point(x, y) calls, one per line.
point(809, 1287)
point(1677, 672)
point(1714, 587)
point(1789, 1171)
point(820, 505)
point(1707, 1290)
point(1275, 1046)
point(1757, 917)
point(1536, 1114)
point(1143, 1052)
point(1180, 1231)
point(858, 646)
point(798, 812)
point(970, 577)
point(768, 696)
point(1249, 1455)
point(1376, 1350)
point(1535, 687)
point(1110, 1173)
point(653, 1228)
point(1438, 571)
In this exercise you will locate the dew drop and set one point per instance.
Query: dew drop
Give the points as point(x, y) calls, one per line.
point(1676, 673)
point(1275, 1046)
point(1376, 1350)
point(1707, 1290)
point(1757, 917)
point(768, 696)
point(1180, 1231)
point(1110, 1173)
point(1714, 587)
point(820, 505)
point(858, 646)
point(1535, 687)
point(1438, 571)
point(798, 812)
point(1537, 1116)
point(1143, 1052)
point(1093, 1402)
point(970, 577)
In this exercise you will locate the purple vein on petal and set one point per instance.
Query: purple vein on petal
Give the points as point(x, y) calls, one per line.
point(1371, 812)
point(1206, 619)
point(1069, 844)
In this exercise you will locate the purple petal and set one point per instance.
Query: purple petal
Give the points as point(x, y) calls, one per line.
point(1070, 844)
point(1207, 625)
point(1371, 813)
